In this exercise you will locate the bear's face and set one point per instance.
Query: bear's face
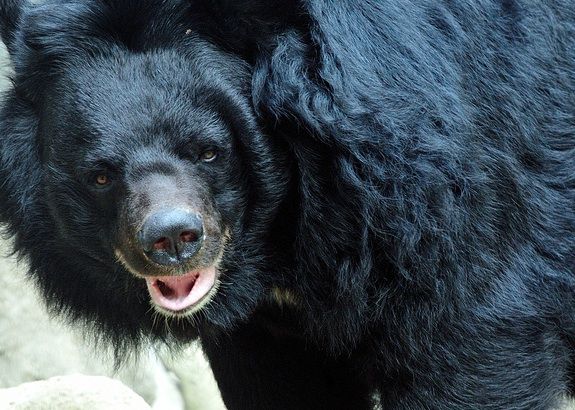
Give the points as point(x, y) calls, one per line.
point(142, 167)
point(140, 174)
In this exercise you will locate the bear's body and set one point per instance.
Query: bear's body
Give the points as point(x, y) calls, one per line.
point(386, 190)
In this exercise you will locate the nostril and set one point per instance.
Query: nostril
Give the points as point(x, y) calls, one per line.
point(188, 236)
point(162, 244)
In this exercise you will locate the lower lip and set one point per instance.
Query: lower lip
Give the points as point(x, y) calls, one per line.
point(178, 294)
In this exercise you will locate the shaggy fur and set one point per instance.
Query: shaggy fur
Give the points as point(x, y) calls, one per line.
point(403, 228)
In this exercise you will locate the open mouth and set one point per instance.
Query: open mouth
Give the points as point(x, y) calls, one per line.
point(178, 294)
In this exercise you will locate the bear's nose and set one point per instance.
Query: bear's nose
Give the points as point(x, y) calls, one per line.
point(171, 236)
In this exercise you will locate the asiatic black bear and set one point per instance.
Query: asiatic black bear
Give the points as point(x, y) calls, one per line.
point(350, 203)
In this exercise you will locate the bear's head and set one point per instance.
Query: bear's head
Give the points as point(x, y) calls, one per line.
point(134, 176)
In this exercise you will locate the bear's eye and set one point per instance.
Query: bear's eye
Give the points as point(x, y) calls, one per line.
point(102, 180)
point(209, 155)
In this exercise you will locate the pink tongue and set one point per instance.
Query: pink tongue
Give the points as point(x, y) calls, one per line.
point(177, 293)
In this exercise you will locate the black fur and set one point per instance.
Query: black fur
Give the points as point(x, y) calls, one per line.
point(403, 227)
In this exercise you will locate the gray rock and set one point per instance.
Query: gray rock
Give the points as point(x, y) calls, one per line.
point(74, 392)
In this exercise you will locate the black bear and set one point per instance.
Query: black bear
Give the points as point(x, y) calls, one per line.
point(351, 204)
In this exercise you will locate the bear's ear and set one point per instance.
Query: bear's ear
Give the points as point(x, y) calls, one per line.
point(10, 12)
point(42, 37)
point(246, 25)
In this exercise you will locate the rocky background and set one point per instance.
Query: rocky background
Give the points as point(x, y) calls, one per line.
point(37, 348)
